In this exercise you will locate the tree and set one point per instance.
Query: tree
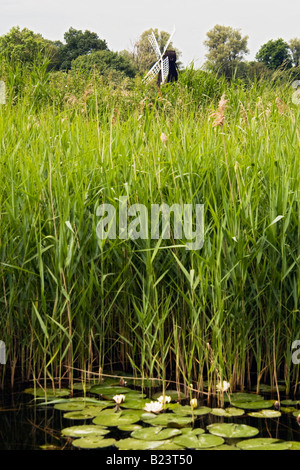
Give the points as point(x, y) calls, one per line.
point(275, 54)
point(295, 50)
point(226, 48)
point(143, 55)
point(79, 43)
point(27, 47)
point(105, 62)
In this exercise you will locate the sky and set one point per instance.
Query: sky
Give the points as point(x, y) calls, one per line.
point(121, 22)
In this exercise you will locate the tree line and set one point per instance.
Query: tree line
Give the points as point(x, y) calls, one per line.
point(85, 50)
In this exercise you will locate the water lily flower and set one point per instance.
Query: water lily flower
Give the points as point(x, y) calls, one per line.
point(194, 403)
point(223, 386)
point(119, 399)
point(153, 407)
point(164, 399)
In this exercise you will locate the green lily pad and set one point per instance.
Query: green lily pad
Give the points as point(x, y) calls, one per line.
point(93, 442)
point(108, 390)
point(135, 395)
point(290, 402)
point(294, 445)
point(254, 405)
point(70, 406)
point(174, 394)
point(48, 392)
point(296, 413)
point(155, 433)
point(228, 412)
point(169, 445)
point(130, 427)
point(137, 404)
point(84, 430)
point(288, 409)
point(265, 414)
point(264, 443)
point(232, 430)
point(243, 397)
point(270, 388)
point(187, 410)
point(170, 419)
point(226, 447)
point(137, 444)
point(195, 431)
point(86, 413)
point(202, 441)
point(111, 418)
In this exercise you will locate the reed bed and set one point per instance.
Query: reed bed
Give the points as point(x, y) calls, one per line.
point(69, 301)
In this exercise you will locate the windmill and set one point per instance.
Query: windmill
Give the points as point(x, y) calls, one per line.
point(162, 65)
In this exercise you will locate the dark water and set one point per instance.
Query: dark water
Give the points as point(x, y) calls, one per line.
point(25, 426)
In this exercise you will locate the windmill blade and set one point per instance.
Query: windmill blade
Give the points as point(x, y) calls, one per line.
point(153, 72)
point(169, 40)
point(153, 42)
point(164, 70)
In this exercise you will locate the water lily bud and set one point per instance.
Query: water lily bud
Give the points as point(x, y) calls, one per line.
point(194, 403)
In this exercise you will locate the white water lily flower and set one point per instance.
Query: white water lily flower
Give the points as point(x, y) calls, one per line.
point(194, 403)
point(119, 399)
point(223, 386)
point(153, 407)
point(164, 399)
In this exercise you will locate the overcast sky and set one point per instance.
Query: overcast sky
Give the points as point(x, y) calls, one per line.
point(120, 22)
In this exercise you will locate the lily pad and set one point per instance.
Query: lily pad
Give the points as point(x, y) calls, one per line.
point(195, 431)
point(232, 430)
point(48, 392)
point(264, 443)
point(169, 445)
point(294, 445)
point(86, 413)
point(137, 404)
point(155, 433)
point(254, 405)
point(296, 413)
point(84, 430)
point(202, 441)
point(228, 412)
point(130, 427)
point(290, 402)
point(82, 386)
point(108, 390)
point(265, 414)
point(93, 442)
point(111, 418)
point(137, 444)
point(270, 388)
point(187, 410)
point(170, 419)
point(243, 397)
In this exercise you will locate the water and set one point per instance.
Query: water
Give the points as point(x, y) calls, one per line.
point(25, 426)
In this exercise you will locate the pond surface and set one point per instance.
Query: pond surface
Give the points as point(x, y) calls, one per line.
point(27, 423)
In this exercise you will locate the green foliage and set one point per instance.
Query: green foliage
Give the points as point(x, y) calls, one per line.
point(295, 51)
point(26, 47)
point(78, 43)
point(105, 62)
point(275, 54)
point(226, 48)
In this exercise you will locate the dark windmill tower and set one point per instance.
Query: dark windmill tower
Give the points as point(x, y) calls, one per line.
point(166, 66)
